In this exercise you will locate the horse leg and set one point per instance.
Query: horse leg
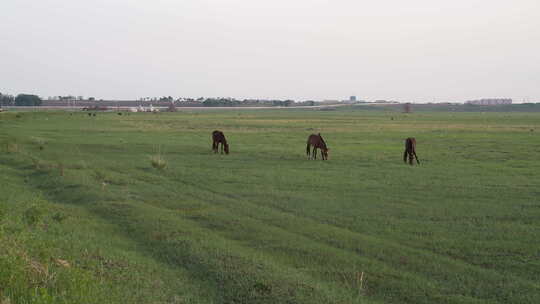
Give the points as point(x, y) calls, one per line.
point(214, 148)
point(222, 145)
point(411, 157)
point(405, 156)
point(314, 152)
point(417, 161)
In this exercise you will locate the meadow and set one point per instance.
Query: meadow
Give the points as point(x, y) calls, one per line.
point(138, 209)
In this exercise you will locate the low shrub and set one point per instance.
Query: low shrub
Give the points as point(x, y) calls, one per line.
point(158, 162)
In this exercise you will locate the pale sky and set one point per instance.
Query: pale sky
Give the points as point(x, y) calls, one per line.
point(415, 50)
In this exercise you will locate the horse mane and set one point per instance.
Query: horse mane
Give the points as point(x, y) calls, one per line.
point(322, 140)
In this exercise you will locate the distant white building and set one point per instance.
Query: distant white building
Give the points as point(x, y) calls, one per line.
point(490, 101)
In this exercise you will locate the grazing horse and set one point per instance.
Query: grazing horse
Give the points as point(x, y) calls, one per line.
point(410, 150)
point(318, 143)
point(219, 138)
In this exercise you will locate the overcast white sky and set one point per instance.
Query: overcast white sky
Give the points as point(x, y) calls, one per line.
point(415, 50)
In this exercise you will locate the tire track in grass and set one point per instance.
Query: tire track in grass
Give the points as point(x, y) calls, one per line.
point(315, 259)
point(448, 263)
point(424, 245)
point(498, 207)
point(213, 225)
point(237, 274)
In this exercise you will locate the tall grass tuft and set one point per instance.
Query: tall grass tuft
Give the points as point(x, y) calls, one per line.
point(158, 161)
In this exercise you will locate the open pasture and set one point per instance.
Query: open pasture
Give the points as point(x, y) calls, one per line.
point(264, 224)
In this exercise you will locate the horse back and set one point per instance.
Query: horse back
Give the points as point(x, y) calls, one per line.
point(218, 136)
point(410, 144)
point(317, 141)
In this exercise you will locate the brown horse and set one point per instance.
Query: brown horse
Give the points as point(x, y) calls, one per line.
point(410, 150)
point(318, 143)
point(219, 138)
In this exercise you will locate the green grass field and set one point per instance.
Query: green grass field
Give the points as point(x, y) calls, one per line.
point(86, 218)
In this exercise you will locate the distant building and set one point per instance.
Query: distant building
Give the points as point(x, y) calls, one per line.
point(352, 100)
point(490, 101)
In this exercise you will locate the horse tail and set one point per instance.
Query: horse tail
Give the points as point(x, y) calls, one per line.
point(414, 151)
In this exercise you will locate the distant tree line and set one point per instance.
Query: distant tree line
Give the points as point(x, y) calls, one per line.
point(20, 100)
point(231, 102)
point(163, 98)
point(7, 100)
point(219, 101)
